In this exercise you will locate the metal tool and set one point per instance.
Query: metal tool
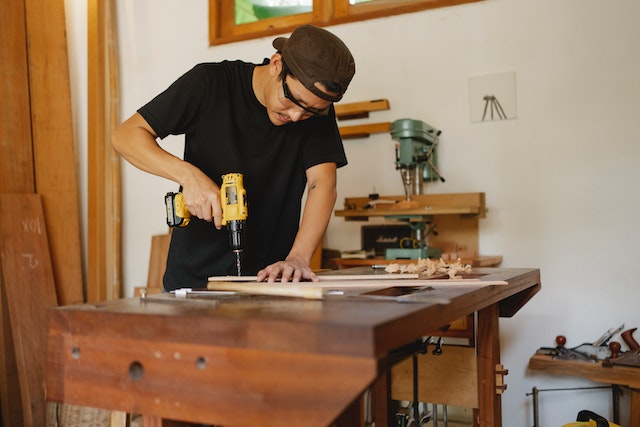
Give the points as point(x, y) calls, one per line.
point(234, 212)
point(415, 154)
point(629, 358)
point(599, 348)
point(416, 160)
point(560, 352)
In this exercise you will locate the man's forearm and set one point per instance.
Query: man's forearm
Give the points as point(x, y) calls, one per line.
point(317, 212)
point(136, 142)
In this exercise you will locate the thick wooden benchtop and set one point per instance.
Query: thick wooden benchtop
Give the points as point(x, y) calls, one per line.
point(288, 360)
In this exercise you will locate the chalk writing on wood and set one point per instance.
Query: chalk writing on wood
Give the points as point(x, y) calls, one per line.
point(32, 261)
point(31, 225)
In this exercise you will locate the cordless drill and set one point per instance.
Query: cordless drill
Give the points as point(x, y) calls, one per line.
point(234, 211)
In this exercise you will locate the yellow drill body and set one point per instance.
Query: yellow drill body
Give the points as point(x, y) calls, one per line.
point(234, 198)
point(234, 211)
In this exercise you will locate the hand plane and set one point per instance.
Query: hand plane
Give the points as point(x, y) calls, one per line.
point(599, 349)
point(560, 352)
point(628, 358)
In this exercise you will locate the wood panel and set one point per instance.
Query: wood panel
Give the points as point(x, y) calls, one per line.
point(10, 403)
point(53, 142)
point(16, 175)
point(16, 167)
point(27, 275)
point(446, 379)
point(158, 262)
point(104, 279)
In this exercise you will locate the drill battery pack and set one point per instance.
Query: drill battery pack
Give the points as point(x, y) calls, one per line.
point(177, 213)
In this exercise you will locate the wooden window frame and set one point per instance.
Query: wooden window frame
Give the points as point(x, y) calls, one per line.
point(222, 27)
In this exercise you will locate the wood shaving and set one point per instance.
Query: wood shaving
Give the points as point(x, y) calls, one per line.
point(429, 268)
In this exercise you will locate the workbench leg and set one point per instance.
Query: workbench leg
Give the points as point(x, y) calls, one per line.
point(151, 421)
point(353, 416)
point(488, 347)
point(383, 413)
point(634, 417)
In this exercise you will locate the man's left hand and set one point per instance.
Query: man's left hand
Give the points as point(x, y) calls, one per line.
point(290, 270)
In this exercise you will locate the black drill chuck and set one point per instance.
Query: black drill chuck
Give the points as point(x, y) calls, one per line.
point(236, 235)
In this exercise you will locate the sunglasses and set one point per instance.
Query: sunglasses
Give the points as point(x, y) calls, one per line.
point(308, 111)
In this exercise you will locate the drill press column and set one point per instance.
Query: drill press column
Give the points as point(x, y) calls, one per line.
point(415, 153)
point(416, 161)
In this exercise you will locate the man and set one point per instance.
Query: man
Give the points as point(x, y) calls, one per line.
point(272, 122)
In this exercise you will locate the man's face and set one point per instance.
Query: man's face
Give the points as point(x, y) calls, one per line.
point(292, 102)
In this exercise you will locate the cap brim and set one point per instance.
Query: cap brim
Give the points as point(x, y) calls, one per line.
point(279, 42)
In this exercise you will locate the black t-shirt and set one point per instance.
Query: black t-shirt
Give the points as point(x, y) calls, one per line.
point(227, 130)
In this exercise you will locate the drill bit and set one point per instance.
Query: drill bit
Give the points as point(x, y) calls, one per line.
point(238, 265)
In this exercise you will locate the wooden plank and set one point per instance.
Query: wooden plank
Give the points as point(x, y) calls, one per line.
point(30, 291)
point(309, 292)
point(360, 109)
point(618, 374)
point(16, 176)
point(104, 279)
point(53, 143)
point(10, 402)
point(157, 262)
point(325, 277)
point(16, 168)
point(446, 379)
point(363, 131)
point(473, 202)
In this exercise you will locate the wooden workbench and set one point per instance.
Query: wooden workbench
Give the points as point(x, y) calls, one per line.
point(251, 360)
point(620, 375)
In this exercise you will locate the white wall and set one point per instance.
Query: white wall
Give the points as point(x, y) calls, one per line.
point(560, 179)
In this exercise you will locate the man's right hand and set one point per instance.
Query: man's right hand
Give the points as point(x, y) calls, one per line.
point(202, 197)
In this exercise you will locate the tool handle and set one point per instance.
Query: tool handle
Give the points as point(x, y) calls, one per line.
point(627, 336)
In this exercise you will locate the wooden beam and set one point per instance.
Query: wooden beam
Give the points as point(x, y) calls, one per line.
point(363, 131)
point(53, 142)
point(104, 228)
point(16, 153)
point(359, 110)
point(27, 274)
point(356, 110)
point(16, 176)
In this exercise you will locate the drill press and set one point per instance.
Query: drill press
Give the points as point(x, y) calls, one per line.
point(416, 160)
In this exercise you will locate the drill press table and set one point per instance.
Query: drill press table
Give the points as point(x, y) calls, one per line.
point(251, 360)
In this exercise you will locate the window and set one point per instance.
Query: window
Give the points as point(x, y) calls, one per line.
point(231, 21)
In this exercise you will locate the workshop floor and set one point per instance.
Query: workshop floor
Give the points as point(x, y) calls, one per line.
point(137, 422)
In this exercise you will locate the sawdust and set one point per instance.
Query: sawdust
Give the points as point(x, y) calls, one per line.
point(430, 268)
